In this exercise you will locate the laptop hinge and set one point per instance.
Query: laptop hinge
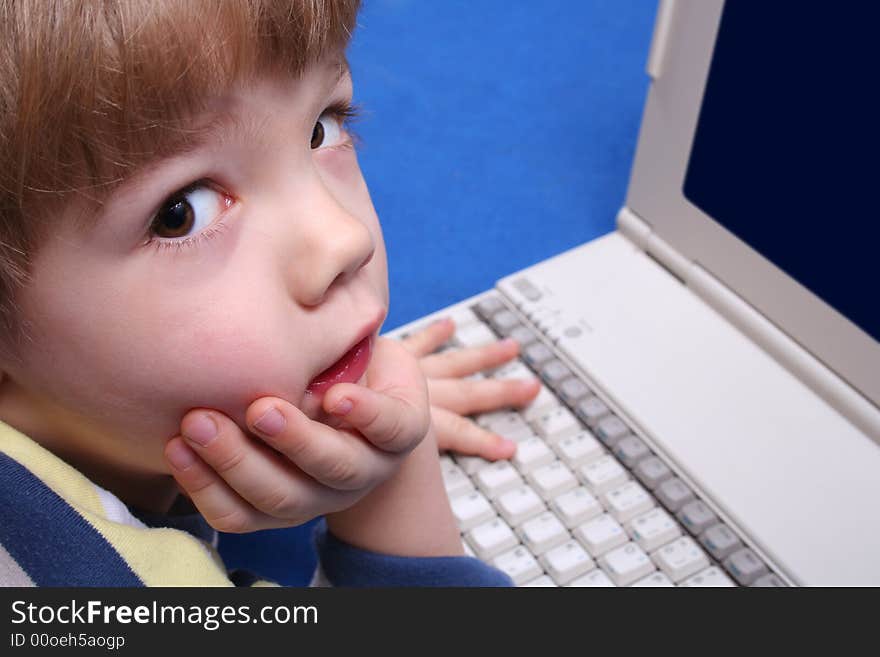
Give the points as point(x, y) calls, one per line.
point(773, 340)
point(642, 235)
point(660, 41)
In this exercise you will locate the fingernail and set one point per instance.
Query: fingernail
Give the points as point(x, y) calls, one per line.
point(509, 341)
point(444, 321)
point(201, 429)
point(343, 406)
point(180, 456)
point(270, 422)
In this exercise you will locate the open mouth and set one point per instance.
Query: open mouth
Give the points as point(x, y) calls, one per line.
point(348, 369)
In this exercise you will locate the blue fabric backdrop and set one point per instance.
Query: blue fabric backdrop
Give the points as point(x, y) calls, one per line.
point(495, 134)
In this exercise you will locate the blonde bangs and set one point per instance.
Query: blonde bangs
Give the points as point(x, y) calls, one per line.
point(92, 89)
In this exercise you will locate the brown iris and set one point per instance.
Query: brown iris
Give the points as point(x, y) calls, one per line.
point(175, 219)
point(317, 135)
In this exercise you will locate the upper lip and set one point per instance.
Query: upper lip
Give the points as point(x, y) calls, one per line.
point(366, 330)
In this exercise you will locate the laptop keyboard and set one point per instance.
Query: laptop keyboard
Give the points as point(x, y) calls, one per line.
point(585, 501)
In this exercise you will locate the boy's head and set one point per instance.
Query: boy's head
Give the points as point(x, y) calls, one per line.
point(182, 217)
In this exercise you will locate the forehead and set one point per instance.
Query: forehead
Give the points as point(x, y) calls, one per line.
point(236, 115)
point(234, 111)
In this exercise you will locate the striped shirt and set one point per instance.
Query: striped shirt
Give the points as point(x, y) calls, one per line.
point(58, 528)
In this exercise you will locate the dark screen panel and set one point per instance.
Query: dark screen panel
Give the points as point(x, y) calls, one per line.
point(786, 150)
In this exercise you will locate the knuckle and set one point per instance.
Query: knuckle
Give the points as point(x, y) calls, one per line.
point(233, 522)
point(230, 461)
point(278, 503)
point(342, 473)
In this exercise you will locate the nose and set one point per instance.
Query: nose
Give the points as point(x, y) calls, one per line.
point(334, 246)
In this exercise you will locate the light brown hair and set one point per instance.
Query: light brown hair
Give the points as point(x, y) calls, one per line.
point(90, 90)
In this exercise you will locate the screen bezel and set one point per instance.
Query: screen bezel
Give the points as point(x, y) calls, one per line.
point(656, 195)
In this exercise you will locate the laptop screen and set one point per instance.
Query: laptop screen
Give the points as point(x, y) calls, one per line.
point(786, 150)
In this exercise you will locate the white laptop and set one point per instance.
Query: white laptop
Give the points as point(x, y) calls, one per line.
point(711, 404)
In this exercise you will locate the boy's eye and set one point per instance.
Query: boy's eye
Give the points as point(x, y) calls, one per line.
point(327, 131)
point(192, 209)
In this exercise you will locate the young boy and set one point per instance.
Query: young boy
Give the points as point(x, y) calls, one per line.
point(183, 225)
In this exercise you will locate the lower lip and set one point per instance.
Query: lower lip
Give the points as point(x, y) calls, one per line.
point(348, 369)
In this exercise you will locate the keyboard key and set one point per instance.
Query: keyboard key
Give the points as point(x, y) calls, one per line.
point(602, 475)
point(536, 354)
point(523, 335)
point(528, 289)
point(712, 576)
point(470, 464)
point(552, 479)
point(697, 517)
point(491, 538)
point(626, 564)
point(610, 430)
point(627, 501)
point(681, 558)
point(579, 449)
point(519, 504)
point(769, 579)
point(508, 424)
point(504, 322)
point(455, 480)
point(543, 580)
point(652, 472)
point(595, 578)
point(471, 509)
point(497, 478)
point(556, 424)
point(655, 579)
point(600, 534)
point(653, 529)
point(630, 450)
point(488, 306)
point(514, 369)
point(474, 335)
point(674, 494)
point(572, 390)
point(519, 565)
point(543, 532)
point(720, 541)
point(567, 561)
point(531, 454)
point(745, 566)
point(544, 402)
point(591, 410)
point(468, 552)
point(485, 419)
point(576, 506)
point(554, 372)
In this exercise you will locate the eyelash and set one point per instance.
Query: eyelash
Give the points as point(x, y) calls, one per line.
point(344, 111)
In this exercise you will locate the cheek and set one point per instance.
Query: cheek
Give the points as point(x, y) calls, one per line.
point(145, 358)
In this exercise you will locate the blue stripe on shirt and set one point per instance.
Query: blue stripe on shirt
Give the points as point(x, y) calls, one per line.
point(50, 541)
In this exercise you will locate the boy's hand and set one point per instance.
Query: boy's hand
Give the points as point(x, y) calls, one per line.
point(301, 468)
point(453, 397)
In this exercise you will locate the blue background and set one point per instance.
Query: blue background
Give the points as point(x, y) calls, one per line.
point(495, 135)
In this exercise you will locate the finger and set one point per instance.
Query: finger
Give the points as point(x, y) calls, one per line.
point(467, 396)
point(255, 472)
point(336, 458)
point(430, 338)
point(222, 507)
point(458, 434)
point(463, 362)
point(392, 412)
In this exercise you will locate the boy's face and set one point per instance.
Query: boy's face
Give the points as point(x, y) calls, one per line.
point(249, 283)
